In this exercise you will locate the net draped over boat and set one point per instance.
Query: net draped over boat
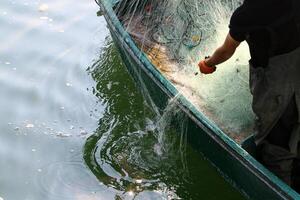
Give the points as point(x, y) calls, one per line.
point(180, 25)
point(175, 35)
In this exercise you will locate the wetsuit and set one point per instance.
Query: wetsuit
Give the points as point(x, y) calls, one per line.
point(271, 29)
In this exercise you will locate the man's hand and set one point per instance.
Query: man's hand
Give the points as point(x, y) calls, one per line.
point(222, 54)
point(205, 69)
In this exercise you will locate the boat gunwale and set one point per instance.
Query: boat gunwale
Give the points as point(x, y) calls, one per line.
point(210, 128)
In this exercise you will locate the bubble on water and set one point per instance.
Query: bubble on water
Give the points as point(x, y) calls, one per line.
point(61, 134)
point(72, 150)
point(109, 85)
point(43, 7)
point(130, 193)
point(139, 181)
point(7, 63)
point(68, 84)
point(61, 30)
point(33, 150)
point(44, 18)
point(62, 108)
point(29, 125)
point(16, 128)
point(39, 170)
point(157, 149)
point(83, 132)
point(71, 127)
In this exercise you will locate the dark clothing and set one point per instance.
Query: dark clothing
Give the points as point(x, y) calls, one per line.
point(275, 152)
point(276, 103)
point(269, 27)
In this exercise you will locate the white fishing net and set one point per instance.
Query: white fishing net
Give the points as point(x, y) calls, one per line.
point(176, 35)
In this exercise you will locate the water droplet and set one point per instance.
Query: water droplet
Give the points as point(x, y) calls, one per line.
point(130, 193)
point(44, 18)
point(15, 69)
point(16, 128)
point(39, 170)
point(71, 150)
point(109, 85)
point(68, 84)
point(29, 125)
point(33, 150)
point(43, 7)
point(83, 132)
point(71, 127)
point(158, 149)
point(61, 134)
point(139, 181)
point(7, 63)
point(62, 108)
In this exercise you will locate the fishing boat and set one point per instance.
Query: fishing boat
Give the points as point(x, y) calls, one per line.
point(234, 160)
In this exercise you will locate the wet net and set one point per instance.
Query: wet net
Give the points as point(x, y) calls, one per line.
point(175, 35)
point(179, 25)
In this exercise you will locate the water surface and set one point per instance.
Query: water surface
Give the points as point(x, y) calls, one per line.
point(74, 125)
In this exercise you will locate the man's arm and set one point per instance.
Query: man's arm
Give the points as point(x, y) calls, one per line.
point(224, 52)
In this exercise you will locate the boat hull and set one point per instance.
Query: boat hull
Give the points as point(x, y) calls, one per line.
point(235, 164)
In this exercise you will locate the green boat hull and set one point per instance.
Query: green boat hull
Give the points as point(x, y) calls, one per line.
point(235, 164)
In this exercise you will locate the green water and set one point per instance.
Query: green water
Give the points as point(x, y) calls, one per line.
point(73, 123)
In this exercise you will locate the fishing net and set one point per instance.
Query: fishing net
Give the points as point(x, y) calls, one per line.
point(175, 35)
point(179, 25)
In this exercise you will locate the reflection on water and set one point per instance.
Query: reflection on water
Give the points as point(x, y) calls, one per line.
point(72, 133)
point(136, 151)
point(47, 109)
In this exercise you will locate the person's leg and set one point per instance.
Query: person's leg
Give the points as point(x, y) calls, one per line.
point(296, 173)
point(274, 152)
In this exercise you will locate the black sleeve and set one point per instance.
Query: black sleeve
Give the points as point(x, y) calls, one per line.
point(237, 22)
point(237, 35)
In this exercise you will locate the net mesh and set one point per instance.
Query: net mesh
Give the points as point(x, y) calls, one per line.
point(175, 35)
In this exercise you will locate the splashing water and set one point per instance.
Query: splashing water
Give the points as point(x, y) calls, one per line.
point(175, 35)
point(136, 151)
point(171, 116)
point(135, 157)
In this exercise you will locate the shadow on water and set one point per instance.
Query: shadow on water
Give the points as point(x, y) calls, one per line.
point(135, 151)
